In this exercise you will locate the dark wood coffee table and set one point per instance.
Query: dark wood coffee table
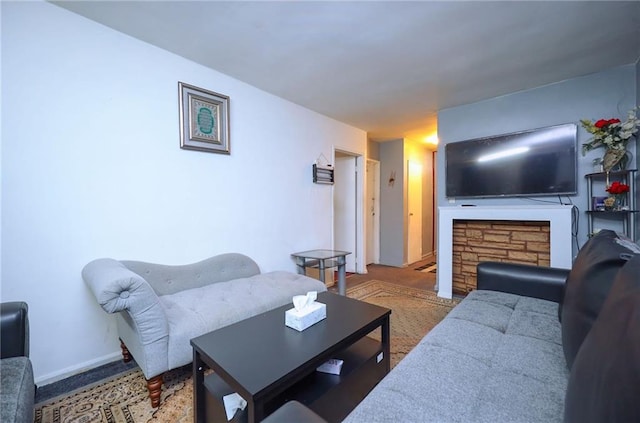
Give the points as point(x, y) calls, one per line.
point(268, 363)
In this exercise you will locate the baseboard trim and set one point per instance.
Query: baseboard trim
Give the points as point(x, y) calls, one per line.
point(76, 369)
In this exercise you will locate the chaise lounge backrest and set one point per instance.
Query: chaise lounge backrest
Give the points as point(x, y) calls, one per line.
point(221, 268)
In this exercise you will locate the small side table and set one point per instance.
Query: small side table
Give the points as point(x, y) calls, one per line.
point(324, 259)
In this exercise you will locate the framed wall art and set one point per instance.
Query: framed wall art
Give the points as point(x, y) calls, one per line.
point(204, 120)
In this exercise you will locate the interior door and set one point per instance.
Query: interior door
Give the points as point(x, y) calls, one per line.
point(414, 206)
point(344, 207)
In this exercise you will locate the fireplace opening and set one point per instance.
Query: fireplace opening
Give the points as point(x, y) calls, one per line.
point(474, 241)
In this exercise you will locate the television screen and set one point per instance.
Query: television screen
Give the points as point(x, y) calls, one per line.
point(531, 163)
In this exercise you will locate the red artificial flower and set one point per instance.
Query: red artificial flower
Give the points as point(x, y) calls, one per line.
point(604, 122)
point(617, 188)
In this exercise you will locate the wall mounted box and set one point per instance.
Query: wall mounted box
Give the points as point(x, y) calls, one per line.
point(323, 175)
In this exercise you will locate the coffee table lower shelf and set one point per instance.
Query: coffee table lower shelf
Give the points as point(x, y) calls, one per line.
point(332, 397)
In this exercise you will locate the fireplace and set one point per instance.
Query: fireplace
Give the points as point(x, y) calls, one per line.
point(552, 223)
point(475, 241)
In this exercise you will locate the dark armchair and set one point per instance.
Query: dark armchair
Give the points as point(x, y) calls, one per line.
point(16, 373)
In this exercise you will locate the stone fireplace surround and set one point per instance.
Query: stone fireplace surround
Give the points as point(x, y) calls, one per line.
point(558, 216)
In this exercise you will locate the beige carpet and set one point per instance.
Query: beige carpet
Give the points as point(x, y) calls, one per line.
point(124, 398)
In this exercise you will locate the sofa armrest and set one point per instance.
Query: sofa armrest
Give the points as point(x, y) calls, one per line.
point(14, 329)
point(117, 289)
point(546, 283)
point(294, 411)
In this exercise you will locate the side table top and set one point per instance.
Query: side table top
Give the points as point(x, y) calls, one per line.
point(321, 254)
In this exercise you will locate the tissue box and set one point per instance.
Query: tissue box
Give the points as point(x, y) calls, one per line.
point(300, 320)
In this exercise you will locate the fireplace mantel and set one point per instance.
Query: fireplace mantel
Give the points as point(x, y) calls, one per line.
point(559, 218)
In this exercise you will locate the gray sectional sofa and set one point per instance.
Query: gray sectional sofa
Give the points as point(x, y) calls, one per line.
point(530, 345)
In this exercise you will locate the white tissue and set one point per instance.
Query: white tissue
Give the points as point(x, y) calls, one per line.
point(305, 312)
point(332, 366)
point(301, 302)
point(232, 403)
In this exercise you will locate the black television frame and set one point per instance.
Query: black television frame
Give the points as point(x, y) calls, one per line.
point(517, 168)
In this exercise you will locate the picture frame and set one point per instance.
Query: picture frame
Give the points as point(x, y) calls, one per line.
point(204, 120)
point(597, 203)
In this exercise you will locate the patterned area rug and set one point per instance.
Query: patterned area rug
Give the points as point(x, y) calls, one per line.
point(124, 398)
point(414, 312)
point(121, 399)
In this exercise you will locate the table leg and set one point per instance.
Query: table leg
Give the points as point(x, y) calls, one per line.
point(386, 343)
point(199, 406)
point(321, 268)
point(342, 275)
point(300, 265)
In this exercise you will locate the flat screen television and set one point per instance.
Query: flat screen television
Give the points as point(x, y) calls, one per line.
point(531, 163)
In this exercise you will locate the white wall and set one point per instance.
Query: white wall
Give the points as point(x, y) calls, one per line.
point(392, 203)
point(91, 167)
point(611, 93)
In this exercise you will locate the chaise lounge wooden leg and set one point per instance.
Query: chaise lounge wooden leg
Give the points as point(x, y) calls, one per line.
point(154, 385)
point(126, 355)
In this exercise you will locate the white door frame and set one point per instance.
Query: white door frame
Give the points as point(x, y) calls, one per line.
point(360, 265)
point(434, 157)
point(372, 212)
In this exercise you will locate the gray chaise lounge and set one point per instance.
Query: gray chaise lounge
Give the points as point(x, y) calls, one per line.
point(161, 308)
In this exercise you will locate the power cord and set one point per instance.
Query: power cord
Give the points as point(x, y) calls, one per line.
point(575, 215)
point(575, 220)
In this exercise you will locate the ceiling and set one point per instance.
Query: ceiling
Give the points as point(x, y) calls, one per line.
point(386, 67)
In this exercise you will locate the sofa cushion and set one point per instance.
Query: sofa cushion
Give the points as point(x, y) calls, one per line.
point(605, 377)
point(588, 285)
point(496, 357)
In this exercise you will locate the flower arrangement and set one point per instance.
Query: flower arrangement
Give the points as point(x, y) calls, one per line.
point(613, 135)
point(617, 188)
point(618, 192)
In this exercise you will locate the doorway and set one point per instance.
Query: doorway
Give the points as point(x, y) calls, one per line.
point(348, 209)
point(414, 207)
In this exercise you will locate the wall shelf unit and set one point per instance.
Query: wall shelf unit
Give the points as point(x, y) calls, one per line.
point(323, 174)
point(600, 217)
